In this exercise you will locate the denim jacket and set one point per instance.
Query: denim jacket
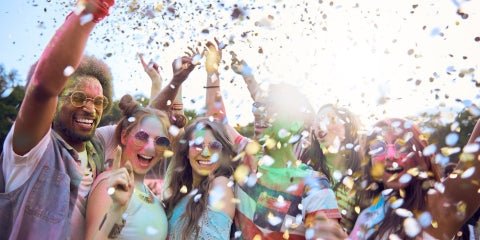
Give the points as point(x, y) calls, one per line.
point(41, 208)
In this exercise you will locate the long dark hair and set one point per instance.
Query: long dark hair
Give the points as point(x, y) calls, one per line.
point(314, 155)
point(415, 193)
point(179, 174)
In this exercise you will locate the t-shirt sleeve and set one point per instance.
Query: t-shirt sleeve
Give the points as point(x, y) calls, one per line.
point(18, 168)
point(106, 135)
point(319, 198)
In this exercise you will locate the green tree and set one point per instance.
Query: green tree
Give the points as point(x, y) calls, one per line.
point(11, 95)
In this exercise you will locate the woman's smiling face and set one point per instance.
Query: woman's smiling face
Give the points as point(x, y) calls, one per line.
point(145, 144)
point(204, 153)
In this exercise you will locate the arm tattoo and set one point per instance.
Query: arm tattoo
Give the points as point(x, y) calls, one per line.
point(116, 229)
point(103, 221)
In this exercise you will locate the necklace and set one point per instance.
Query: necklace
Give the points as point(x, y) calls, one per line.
point(146, 197)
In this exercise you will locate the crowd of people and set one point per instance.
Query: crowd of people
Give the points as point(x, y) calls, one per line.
point(305, 174)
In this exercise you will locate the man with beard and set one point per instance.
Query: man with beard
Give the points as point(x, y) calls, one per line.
point(47, 169)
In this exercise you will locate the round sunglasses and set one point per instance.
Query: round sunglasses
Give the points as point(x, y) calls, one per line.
point(141, 138)
point(213, 146)
point(79, 99)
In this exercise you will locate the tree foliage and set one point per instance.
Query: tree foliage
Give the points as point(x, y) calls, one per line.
point(11, 95)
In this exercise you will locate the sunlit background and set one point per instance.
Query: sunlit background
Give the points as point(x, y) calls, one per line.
point(377, 58)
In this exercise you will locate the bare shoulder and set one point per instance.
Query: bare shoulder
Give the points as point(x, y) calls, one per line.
point(224, 193)
point(220, 181)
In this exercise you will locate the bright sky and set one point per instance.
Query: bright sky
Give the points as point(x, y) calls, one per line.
point(353, 53)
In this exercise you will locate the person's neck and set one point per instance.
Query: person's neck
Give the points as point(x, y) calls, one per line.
point(196, 181)
point(282, 156)
point(138, 181)
point(79, 146)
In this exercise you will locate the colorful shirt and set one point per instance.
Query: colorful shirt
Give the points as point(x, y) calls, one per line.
point(282, 202)
point(368, 219)
point(213, 224)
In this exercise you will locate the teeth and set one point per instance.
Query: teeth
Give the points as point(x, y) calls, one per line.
point(205, 162)
point(145, 157)
point(87, 121)
point(394, 168)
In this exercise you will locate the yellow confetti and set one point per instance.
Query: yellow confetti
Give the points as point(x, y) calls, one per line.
point(158, 6)
point(270, 143)
point(413, 171)
point(252, 148)
point(241, 173)
point(348, 182)
point(377, 171)
point(434, 224)
point(183, 189)
point(286, 235)
point(257, 237)
point(167, 153)
point(357, 209)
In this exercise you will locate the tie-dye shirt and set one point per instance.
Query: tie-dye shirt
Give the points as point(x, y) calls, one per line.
point(282, 202)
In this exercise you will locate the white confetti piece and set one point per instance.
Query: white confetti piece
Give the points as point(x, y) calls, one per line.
point(68, 71)
point(7, 92)
point(405, 178)
point(309, 233)
point(215, 157)
point(402, 212)
point(151, 231)
point(197, 197)
point(273, 220)
point(266, 160)
point(411, 227)
point(397, 203)
point(440, 187)
point(131, 119)
point(425, 219)
point(429, 150)
point(86, 19)
point(471, 148)
point(110, 191)
point(468, 173)
point(451, 139)
point(173, 130)
point(387, 191)
point(183, 189)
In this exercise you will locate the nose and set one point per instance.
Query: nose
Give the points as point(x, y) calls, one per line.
point(89, 106)
point(205, 152)
point(391, 152)
point(149, 146)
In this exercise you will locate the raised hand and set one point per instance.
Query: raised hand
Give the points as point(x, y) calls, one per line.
point(120, 181)
point(182, 67)
point(240, 66)
point(151, 68)
point(213, 56)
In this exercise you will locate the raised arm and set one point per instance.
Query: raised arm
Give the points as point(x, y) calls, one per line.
point(213, 96)
point(63, 52)
point(182, 67)
point(151, 69)
point(213, 100)
point(460, 198)
point(258, 108)
point(241, 67)
point(108, 201)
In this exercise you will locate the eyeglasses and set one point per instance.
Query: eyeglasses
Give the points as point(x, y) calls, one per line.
point(380, 148)
point(141, 138)
point(213, 146)
point(79, 99)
